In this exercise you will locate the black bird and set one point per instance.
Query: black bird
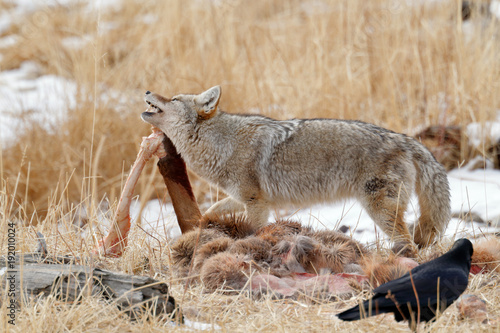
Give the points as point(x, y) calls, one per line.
point(447, 276)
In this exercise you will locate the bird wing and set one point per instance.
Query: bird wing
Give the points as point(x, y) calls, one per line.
point(452, 282)
point(393, 285)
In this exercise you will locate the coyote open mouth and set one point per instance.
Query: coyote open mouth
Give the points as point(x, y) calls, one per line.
point(152, 108)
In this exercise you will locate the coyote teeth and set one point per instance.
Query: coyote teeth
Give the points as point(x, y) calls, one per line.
point(152, 108)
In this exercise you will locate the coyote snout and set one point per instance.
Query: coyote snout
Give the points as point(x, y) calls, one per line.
point(261, 163)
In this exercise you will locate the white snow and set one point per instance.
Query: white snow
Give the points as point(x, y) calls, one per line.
point(477, 191)
point(157, 219)
point(8, 40)
point(20, 11)
point(5, 21)
point(26, 96)
point(29, 6)
point(198, 326)
point(487, 133)
point(495, 8)
point(190, 325)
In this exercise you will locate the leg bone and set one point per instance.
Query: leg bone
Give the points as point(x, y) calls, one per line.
point(116, 240)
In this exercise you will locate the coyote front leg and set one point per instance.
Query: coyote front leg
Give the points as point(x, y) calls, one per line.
point(256, 212)
point(225, 206)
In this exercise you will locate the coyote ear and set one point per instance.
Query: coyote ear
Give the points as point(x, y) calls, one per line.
point(207, 102)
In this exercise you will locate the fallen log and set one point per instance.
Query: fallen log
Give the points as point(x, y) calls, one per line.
point(32, 276)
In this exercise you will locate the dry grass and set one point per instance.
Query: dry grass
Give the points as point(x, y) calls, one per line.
point(380, 61)
point(232, 313)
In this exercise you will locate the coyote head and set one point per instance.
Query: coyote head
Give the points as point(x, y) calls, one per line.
point(167, 114)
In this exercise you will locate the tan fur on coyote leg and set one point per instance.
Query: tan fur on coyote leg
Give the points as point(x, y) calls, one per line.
point(225, 206)
point(116, 240)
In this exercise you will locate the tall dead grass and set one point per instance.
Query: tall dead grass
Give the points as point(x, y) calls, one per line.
point(398, 65)
point(219, 311)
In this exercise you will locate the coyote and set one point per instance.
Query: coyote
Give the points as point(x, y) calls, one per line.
point(262, 163)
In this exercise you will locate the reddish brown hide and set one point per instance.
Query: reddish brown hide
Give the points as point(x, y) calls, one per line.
point(174, 173)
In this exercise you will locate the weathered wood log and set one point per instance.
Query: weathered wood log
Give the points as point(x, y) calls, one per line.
point(133, 294)
point(173, 170)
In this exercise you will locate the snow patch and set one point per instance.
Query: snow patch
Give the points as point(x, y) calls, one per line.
point(495, 8)
point(27, 97)
point(487, 133)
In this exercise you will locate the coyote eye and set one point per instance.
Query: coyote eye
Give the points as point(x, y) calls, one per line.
point(174, 100)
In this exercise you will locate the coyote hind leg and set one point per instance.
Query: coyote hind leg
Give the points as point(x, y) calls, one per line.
point(386, 206)
point(426, 230)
